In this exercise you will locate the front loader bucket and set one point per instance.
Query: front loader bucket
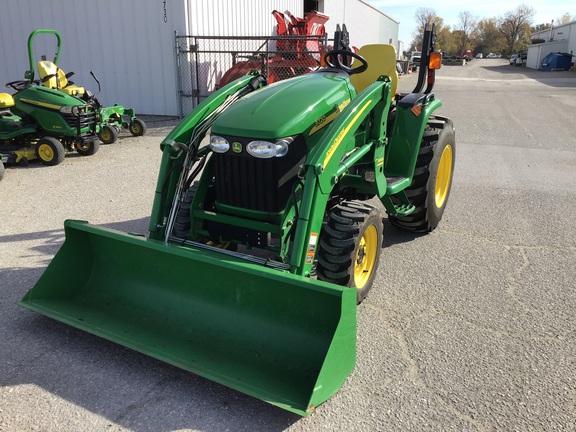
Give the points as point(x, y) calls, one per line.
point(285, 339)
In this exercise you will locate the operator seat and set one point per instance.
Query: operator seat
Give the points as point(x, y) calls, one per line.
point(381, 60)
point(58, 79)
point(6, 101)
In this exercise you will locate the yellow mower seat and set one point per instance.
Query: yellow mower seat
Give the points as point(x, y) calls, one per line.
point(59, 80)
point(6, 100)
point(381, 60)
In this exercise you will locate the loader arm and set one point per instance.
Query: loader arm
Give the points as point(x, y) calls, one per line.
point(338, 149)
point(179, 142)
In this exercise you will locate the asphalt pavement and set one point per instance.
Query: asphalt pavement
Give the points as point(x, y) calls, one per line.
point(468, 328)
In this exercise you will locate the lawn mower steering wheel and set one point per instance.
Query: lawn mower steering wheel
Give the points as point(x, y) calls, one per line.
point(332, 59)
point(19, 85)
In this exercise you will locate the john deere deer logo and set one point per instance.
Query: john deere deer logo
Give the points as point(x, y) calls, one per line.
point(236, 147)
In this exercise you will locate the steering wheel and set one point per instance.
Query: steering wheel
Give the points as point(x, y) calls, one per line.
point(332, 59)
point(19, 85)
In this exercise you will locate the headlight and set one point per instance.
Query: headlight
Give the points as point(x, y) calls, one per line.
point(70, 110)
point(266, 149)
point(219, 144)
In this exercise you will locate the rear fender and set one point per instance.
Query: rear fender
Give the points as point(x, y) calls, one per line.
point(412, 114)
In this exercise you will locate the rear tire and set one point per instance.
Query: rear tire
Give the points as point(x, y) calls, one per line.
point(88, 148)
point(430, 187)
point(1, 170)
point(50, 151)
point(350, 245)
point(108, 134)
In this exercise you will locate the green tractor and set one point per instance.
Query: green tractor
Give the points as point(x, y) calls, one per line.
point(262, 238)
point(110, 120)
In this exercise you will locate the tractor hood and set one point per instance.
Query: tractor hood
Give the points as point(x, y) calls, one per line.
point(285, 108)
point(43, 97)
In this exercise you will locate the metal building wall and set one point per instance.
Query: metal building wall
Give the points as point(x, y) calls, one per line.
point(237, 18)
point(125, 42)
point(366, 24)
point(559, 39)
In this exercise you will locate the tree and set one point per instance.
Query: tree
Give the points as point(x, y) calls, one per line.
point(428, 16)
point(515, 27)
point(488, 37)
point(464, 31)
point(565, 19)
point(540, 27)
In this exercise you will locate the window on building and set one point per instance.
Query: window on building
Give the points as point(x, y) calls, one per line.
point(313, 5)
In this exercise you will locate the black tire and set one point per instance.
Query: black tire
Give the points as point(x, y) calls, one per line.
point(350, 245)
point(137, 127)
point(108, 134)
point(87, 148)
point(2, 170)
point(432, 180)
point(50, 151)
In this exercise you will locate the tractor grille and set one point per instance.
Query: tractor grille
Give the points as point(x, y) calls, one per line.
point(257, 184)
point(85, 118)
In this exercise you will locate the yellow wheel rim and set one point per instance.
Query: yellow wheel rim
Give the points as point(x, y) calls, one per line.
point(365, 257)
point(105, 134)
point(443, 177)
point(135, 128)
point(45, 152)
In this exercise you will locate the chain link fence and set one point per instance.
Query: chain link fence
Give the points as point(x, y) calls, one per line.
point(206, 63)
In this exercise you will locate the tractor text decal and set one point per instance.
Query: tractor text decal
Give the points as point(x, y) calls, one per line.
point(44, 104)
point(326, 120)
point(343, 133)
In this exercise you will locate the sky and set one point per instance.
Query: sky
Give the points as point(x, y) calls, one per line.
point(405, 10)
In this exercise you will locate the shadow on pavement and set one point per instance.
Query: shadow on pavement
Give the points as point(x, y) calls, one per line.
point(129, 389)
point(558, 79)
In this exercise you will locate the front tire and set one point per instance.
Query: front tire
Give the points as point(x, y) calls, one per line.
point(137, 127)
point(430, 187)
point(108, 134)
point(350, 245)
point(88, 148)
point(1, 170)
point(50, 151)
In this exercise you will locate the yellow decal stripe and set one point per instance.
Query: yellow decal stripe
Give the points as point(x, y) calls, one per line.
point(43, 104)
point(343, 133)
point(325, 121)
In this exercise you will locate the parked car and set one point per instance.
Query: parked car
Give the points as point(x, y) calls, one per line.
point(491, 56)
point(513, 58)
point(479, 56)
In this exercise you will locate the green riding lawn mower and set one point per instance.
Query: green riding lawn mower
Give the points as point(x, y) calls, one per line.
point(50, 116)
point(262, 238)
point(110, 120)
